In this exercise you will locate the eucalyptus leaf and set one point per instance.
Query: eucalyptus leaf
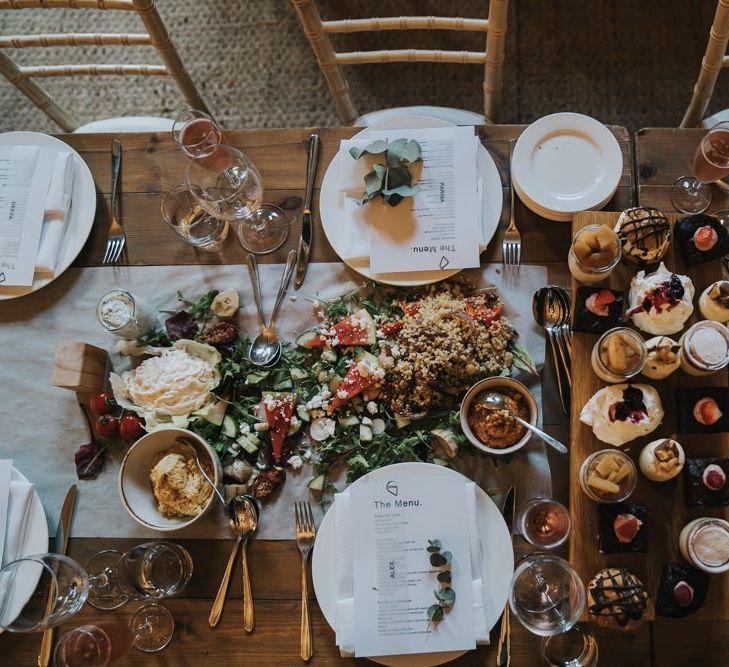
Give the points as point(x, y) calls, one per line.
point(446, 596)
point(393, 199)
point(522, 359)
point(433, 546)
point(448, 557)
point(435, 613)
point(375, 179)
point(377, 147)
point(437, 560)
point(403, 152)
point(397, 176)
point(444, 577)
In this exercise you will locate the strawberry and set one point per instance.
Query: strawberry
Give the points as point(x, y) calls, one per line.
point(599, 302)
point(705, 238)
point(707, 412)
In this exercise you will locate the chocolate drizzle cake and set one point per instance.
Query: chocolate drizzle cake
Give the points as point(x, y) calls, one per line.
point(644, 235)
point(616, 596)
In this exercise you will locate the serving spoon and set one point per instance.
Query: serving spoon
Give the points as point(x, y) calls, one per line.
point(243, 519)
point(189, 446)
point(493, 400)
point(550, 313)
point(266, 348)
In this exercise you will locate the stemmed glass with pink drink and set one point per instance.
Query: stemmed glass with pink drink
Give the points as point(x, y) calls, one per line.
point(692, 194)
point(196, 133)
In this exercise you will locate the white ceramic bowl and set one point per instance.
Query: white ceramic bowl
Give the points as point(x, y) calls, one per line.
point(496, 383)
point(135, 489)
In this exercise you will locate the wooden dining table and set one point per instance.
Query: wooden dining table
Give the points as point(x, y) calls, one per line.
point(152, 165)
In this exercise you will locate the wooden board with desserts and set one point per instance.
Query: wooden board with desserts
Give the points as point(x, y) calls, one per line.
point(649, 448)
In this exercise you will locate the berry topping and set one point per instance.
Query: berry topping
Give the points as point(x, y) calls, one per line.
point(705, 238)
point(626, 527)
point(707, 412)
point(683, 594)
point(630, 408)
point(668, 293)
point(714, 477)
point(599, 302)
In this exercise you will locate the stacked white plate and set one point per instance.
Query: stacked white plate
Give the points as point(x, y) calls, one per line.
point(565, 163)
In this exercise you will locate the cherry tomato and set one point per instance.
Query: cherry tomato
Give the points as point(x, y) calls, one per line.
point(106, 426)
point(103, 403)
point(130, 427)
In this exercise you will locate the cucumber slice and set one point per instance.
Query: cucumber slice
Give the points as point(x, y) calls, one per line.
point(365, 433)
point(298, 374)
point(249, 442)
point(349, 420)
point(302, 413)
point(308, 339)
point(229, 427)
point(440, 462)
point(213, 412)
point(317, 484)
point(329, 355)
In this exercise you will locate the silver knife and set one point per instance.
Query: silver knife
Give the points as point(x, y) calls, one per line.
point(61, 545)
point(307, 231)
point(503, 652)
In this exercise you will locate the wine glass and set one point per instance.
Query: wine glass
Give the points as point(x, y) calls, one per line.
point(153, 570)
point(181, 211)
point(547, 595)
point(692, 194)
point(229, 187)
point(544, 523)
point(196, 133)
point(98, 645)
point(575, 648)
point(41, 591)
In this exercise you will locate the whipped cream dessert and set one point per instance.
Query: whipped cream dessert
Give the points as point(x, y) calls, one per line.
point(644, 235)
point(705, 348)
point(660, 302)
point(714, 301)
point(622, 412)
point(661, 459)
point(663, 358)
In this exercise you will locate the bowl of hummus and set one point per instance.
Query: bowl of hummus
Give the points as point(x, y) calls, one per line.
point(495, 431)
point(160, 483)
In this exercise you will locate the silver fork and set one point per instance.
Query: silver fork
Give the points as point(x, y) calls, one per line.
point(511, 245)
point(305, 534)
point(116, 239)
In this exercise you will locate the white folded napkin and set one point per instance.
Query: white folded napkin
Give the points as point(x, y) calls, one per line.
point(19, 504)
point(344, 575)
point(55, 215)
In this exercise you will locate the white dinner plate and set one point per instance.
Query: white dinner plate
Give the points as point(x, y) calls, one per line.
point(567, 162)
point(497, 561)
point(80, 217)
point(36, 542)
point(331, 204)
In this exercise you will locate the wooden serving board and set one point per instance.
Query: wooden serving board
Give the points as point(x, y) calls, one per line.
point(667, 512)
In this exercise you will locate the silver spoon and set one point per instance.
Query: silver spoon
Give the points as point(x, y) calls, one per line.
point(564, 332)
point(549, 313)
point(189, 445)
point(495, 401)
point(243, 519)
point(266, 348)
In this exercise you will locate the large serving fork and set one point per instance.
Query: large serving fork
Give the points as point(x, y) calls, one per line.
point(116, 239)
point(305, 534)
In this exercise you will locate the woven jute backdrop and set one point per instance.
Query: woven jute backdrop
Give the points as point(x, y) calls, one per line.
point(630, 63)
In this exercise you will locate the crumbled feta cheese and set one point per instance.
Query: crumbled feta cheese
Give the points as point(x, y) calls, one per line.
point(372, 407)
point(380, 334)
point(294, 421)
point(367, 421)
point(341, 393)
point(295, 462)
point(307, 454)
point(240, 470)
point(245, 429)
point(395, 351)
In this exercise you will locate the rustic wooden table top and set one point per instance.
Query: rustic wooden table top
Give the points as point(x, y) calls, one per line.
point(152, 165)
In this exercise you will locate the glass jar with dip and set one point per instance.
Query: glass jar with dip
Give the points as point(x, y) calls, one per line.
point(704, 543)
point(125, 315)
point(594, 253)
point(619, 354)
point(704, 348)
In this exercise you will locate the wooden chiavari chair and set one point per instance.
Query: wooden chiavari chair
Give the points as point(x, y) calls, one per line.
point(714, 60)
point(155, 35)
point(492, 58)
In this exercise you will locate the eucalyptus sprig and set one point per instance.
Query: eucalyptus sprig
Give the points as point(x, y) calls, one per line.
point(391, 180)
point(444, 594)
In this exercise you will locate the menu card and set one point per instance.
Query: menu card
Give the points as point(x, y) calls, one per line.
point(438, 228)
point(6, 471)
point(24, 180)
point(394, 582)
